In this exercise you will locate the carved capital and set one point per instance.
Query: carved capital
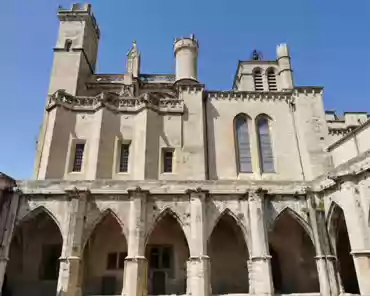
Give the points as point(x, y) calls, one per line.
point(138, 192)
point(76, 193)
point(257, 195)
point(197, 193)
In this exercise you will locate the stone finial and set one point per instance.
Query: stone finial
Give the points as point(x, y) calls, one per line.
point(133, 60)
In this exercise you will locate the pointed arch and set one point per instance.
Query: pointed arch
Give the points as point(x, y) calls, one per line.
point(231, 214)
point(90, 228)
point(293, 253)
point(104, 254)
point(167, 211)
point(228, 239)
point(298, 218)
point(34, 253)
point(340, 243)
point(37, 211)
point(167, 251)
point(332, 218)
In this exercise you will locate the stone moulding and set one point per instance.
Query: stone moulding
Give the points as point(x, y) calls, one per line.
point(163, 103)
point(157, 78)
point(247, 95)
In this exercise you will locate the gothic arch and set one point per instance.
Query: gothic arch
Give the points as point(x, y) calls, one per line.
point(297, 217)
point(340, 243)
point(164, 212)
point(293, 253)
point(104, 252)
point(230, 213)
point(35, 212)
point(90, 228)
point(229, 255)
point(167, 251)
point(34, 253)
point(332, 216)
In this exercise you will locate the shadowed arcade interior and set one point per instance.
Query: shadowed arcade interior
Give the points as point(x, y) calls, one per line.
point(229, 258)
point(293, 257)
point(104, 258)
point(167, 252)
point(342, 245)
point(35, 250)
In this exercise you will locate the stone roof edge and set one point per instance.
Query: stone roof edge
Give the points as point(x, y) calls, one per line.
point(349, 135)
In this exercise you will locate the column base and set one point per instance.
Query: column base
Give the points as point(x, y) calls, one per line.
point(261, 278)
point(135, 276)
point(198, 276)
point(327, 275)
point(362, 264)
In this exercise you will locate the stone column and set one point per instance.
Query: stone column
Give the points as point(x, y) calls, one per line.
point(358, 231)
point(70, 270)
point(9, 200)
point(198, 265)
point(135, 275)
point(325, 261)
point(261, 260)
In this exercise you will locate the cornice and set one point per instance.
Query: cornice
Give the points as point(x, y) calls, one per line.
point(156, 101)
point(247, 95)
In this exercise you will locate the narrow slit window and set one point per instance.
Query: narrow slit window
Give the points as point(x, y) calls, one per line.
point(244, 158)
point(271, 80)
point(258, 81)
point(68, 45)
point(167, 161)
point(265, 146)
point(123, 162)
point(77, 161)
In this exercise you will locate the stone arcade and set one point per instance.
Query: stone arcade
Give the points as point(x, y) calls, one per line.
point(154, 185)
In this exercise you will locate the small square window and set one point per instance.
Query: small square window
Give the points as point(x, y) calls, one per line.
point(123, 162)
point(112, 261)
point(167, 160)
point(78, 157)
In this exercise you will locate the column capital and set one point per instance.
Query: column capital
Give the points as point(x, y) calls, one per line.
point(256, 195)
point(138, 192)
point(75, 193)
point(197, 193)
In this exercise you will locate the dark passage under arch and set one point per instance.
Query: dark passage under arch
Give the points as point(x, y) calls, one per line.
point(293, 257)
point(229, 257)
point(346, 266)
point(35, 250)
point(167, 252)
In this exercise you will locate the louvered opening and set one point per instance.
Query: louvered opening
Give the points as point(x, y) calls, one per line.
point(244, 158)
point(258, 82)
point(265, 147)
point(271, 80)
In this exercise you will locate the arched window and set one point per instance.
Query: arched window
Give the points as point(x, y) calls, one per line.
point(271, 80)
point(244, 159)
point(258, 82)
point(265, 146)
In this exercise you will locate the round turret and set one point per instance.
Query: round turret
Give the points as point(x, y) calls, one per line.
point(285, 67)
point(186, 54)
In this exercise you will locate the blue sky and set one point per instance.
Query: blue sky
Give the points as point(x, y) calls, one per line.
point(329, 42)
